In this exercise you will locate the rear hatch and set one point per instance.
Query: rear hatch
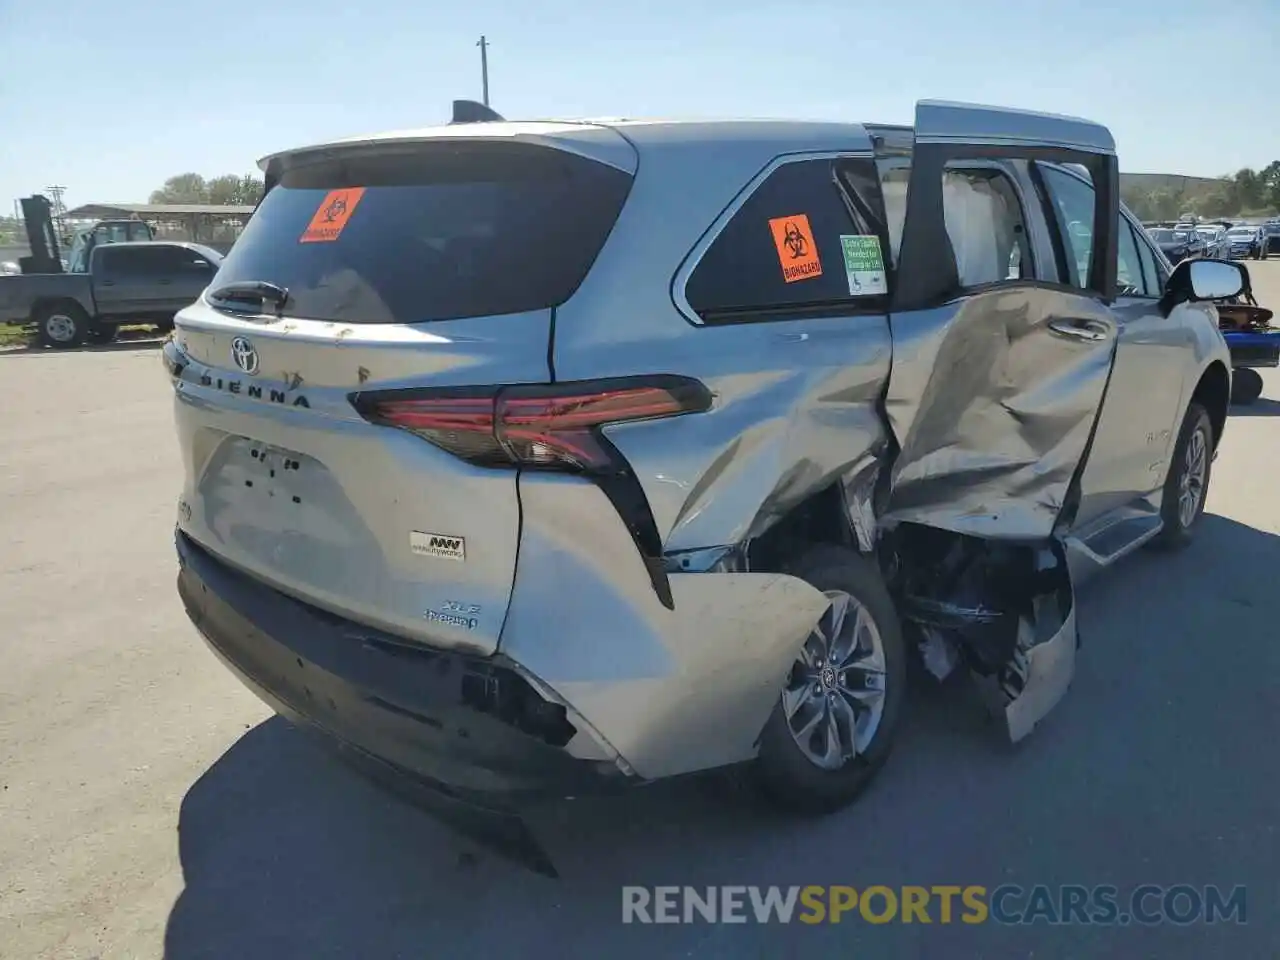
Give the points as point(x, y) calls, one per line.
point(402, 264)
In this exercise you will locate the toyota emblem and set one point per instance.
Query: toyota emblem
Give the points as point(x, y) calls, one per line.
point(244, 355)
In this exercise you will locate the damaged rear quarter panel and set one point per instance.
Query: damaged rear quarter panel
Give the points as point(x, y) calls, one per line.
point(795, 407)
point(670, 690)
point(993, 410)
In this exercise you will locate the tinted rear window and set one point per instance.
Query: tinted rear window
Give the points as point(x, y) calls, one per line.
point(434, 232)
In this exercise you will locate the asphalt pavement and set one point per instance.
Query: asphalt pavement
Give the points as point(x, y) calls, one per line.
point(150, 806)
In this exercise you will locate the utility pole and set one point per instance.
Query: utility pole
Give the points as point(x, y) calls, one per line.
point(59, 209)
point(483, 44)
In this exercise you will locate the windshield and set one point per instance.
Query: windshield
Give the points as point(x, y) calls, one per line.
point(1240, 232)
point(430, 232)
point(1170, 236)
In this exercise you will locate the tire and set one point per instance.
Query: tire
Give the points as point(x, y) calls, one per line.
point(61, 325)
point(103, 334)
point(1246, 386)
point(786, 774)
point(1179, 528)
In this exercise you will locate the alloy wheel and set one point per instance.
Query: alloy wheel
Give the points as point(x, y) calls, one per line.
point(835, 695)
point(1195, 463)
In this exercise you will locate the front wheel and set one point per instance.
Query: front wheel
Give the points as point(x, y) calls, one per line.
point(1187, 485)
point(834, 723)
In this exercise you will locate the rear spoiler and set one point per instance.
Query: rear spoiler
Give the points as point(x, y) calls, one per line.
point(464, 111)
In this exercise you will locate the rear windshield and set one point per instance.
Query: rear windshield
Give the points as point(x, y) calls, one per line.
point(429, 232)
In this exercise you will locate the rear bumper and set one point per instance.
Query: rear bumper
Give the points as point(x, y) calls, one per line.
point(442, 724)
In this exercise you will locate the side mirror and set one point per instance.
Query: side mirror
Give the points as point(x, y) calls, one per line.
point(1193, 281)
point(1216, 279)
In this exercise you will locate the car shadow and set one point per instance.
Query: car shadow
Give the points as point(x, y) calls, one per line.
point(286, 852)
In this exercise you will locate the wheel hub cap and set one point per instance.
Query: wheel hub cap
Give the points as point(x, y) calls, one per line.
point(60, 327)
point(834, 697)
point(1195, 463)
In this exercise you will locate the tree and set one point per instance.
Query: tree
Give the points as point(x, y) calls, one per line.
point(233, 191)
point(227, 190)
point(183, 188)
point(1270, 178)
point(1250, 190)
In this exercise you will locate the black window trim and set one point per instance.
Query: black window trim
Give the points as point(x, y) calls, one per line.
point(1140, 239)
point(781, 313)
point(1056, 229)
point(932, 280)
point(1053, 219)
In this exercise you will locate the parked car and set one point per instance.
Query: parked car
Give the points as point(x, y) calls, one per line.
point(1243, 242)
point(1215, 240)
point(1269, 240)
point(545, 504)
point(1178, 243)
point(1253, 342)
point(143, 283)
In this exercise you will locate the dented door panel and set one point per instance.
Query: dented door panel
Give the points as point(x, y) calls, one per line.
point(992, 400)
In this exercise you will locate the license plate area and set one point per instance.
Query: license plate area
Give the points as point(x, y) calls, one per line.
point(272, 473)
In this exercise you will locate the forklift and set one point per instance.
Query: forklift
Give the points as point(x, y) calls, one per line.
point(46, 253)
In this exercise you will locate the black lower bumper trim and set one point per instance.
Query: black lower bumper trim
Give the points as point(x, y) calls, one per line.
point(406, 718)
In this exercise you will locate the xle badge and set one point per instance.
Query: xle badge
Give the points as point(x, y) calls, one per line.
point(438, 545)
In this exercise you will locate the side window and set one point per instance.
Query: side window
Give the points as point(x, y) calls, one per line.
point(986, 226)
point(132, 261)
point(1130, 278)
point(798, 244)
point(167, 261)
point(1152, 272)
point(1071, 198)
point(124, 261)
point(107, 262)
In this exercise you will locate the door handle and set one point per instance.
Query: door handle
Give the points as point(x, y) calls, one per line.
point(106, 283)
point(1088, 330)
point(164, 283)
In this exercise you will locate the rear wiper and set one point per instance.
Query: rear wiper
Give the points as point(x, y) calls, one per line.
point(252, 291)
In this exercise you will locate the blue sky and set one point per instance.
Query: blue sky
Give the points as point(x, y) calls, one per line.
point(110, 98)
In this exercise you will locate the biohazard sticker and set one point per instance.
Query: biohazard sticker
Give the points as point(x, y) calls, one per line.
point(331, 219)
point(797, 251)
point(863, 265)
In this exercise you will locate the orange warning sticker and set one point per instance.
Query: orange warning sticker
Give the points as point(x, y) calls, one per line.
point(797, 251)
point(330, 220)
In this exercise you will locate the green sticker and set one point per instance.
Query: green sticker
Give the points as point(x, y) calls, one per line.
point(864, 266)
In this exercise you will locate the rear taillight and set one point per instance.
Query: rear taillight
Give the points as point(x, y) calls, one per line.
point(550, 426)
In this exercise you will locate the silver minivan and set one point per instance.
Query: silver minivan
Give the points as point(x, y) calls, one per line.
point(531, 458)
